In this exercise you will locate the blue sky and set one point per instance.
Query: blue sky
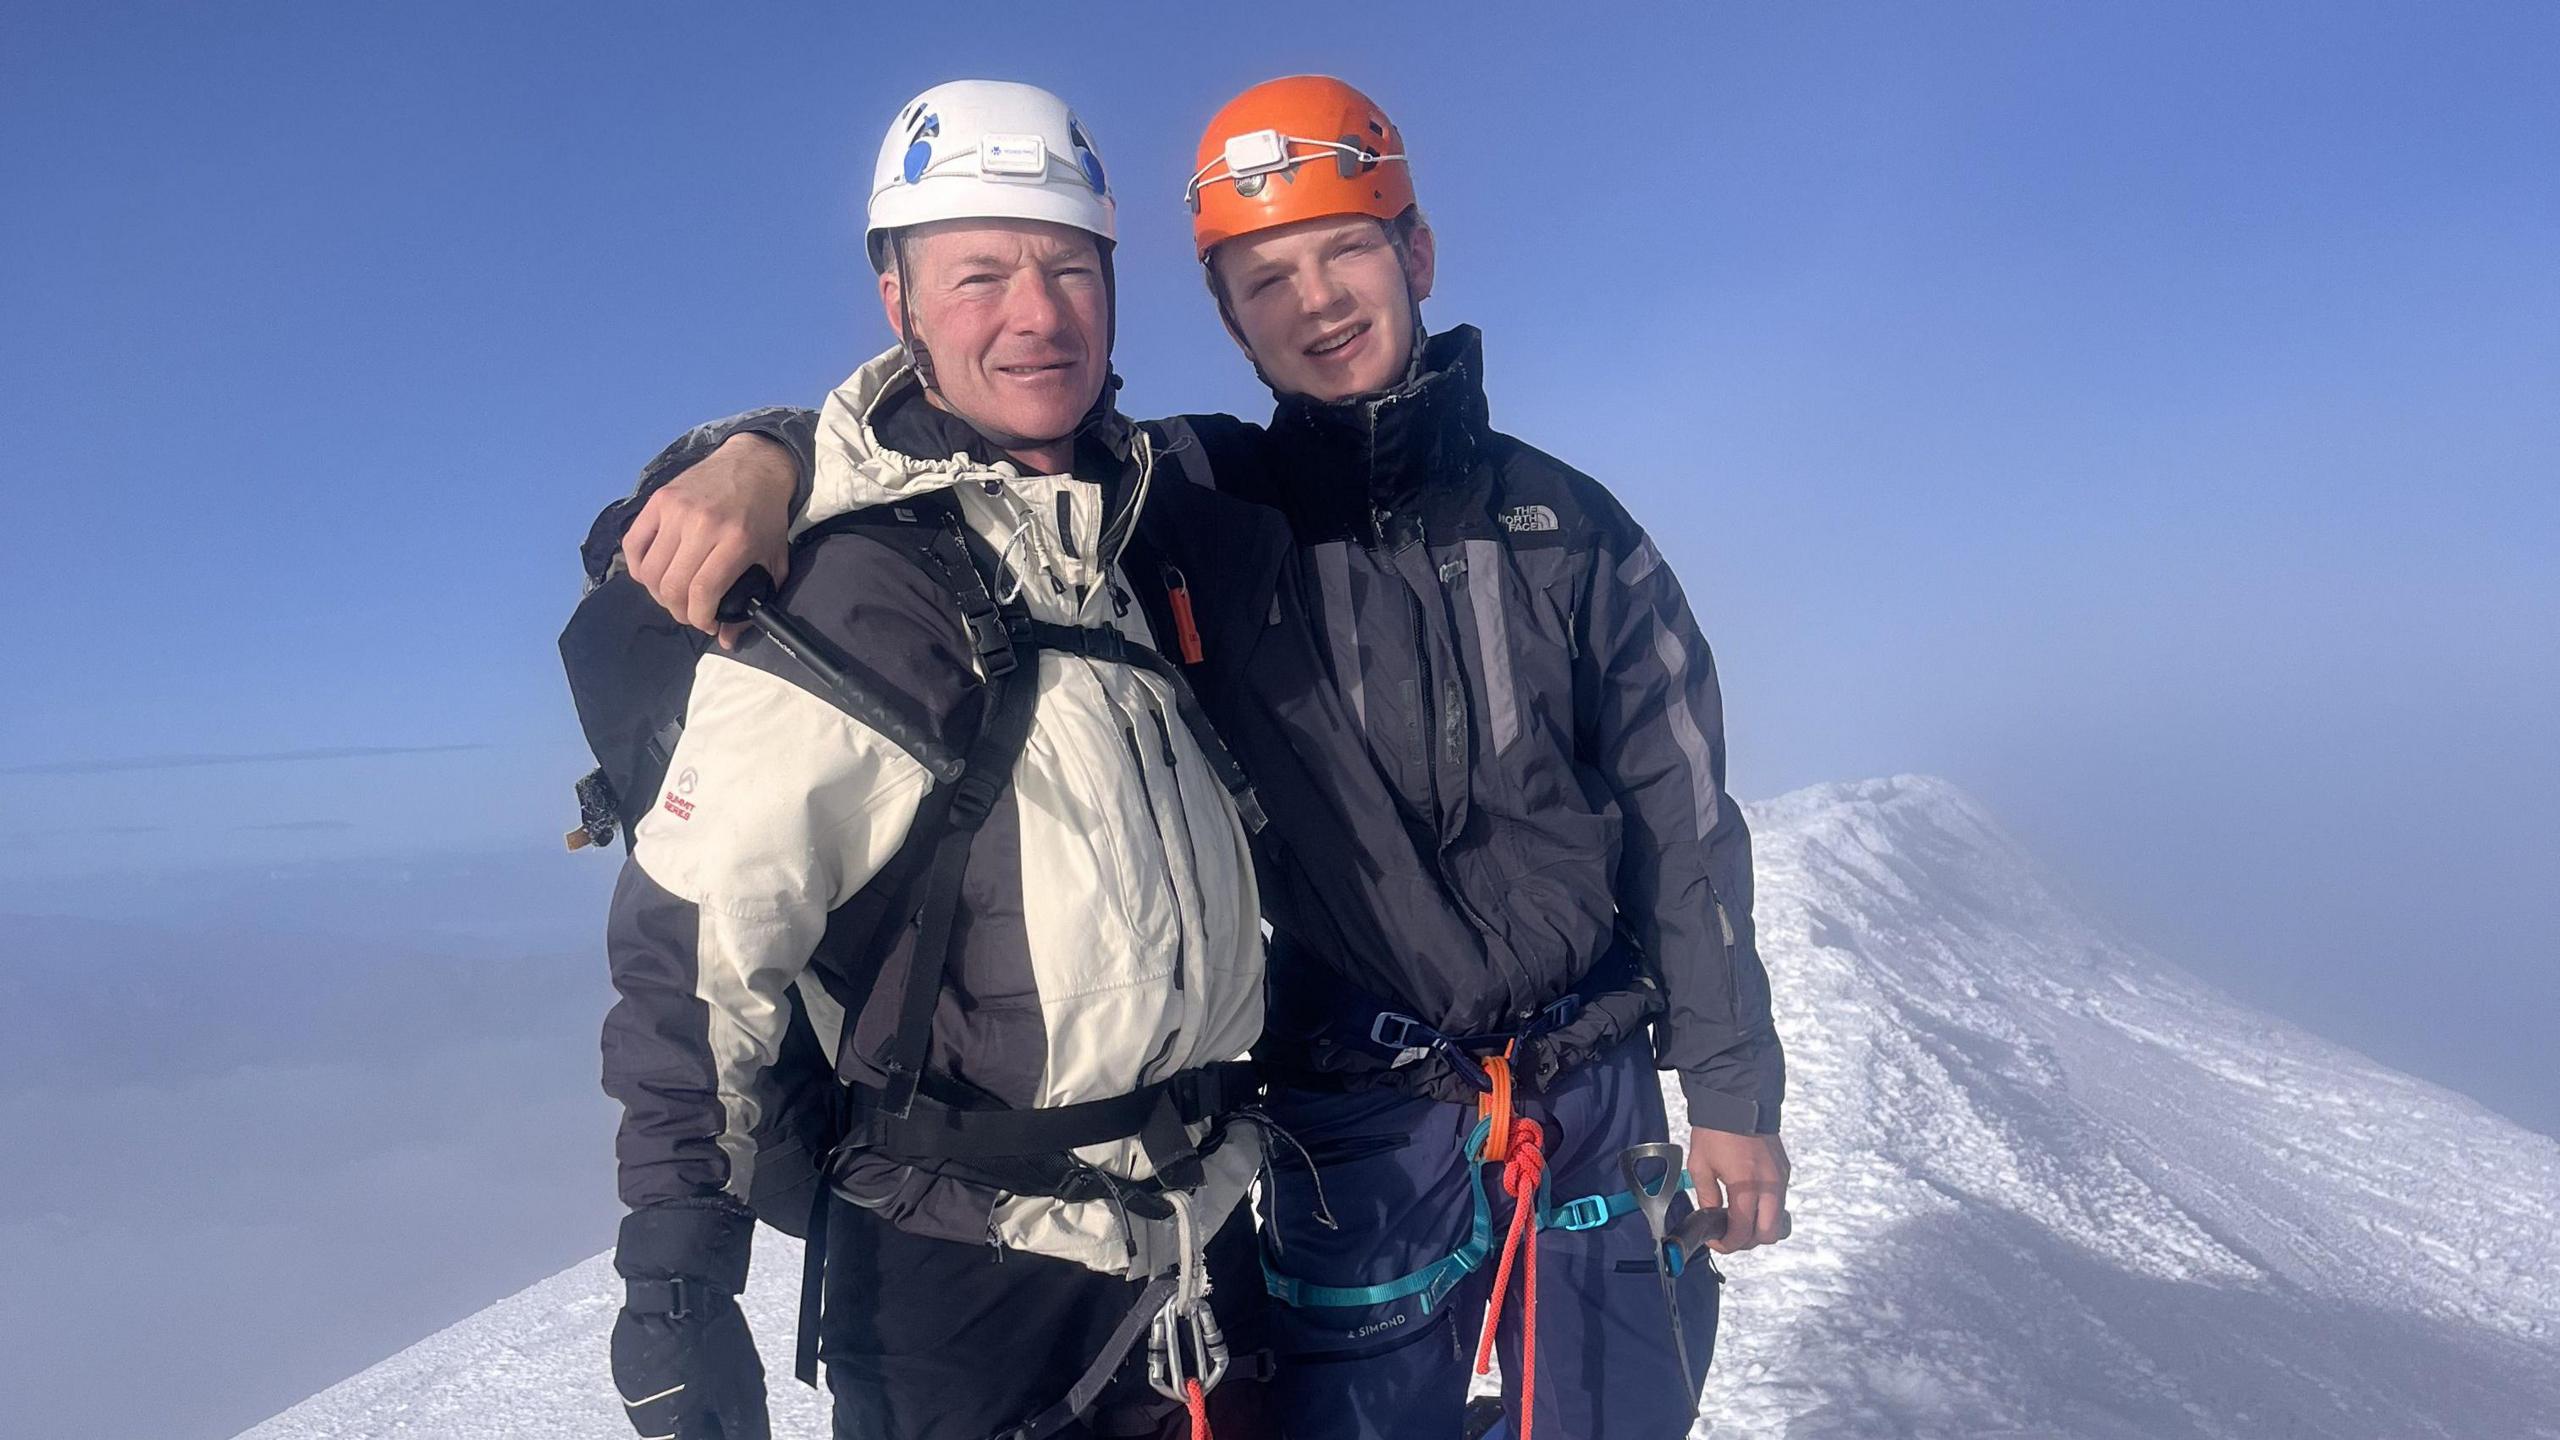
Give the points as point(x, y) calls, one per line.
point(2142, 414)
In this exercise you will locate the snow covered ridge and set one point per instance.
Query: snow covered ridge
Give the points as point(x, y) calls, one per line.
point(2048, 1185)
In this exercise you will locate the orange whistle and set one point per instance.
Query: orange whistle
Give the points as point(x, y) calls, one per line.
point(1186, 626)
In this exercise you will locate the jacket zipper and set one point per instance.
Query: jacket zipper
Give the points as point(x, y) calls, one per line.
point(1431, 743)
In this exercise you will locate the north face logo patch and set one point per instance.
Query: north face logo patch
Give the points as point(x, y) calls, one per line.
point(1529, 517)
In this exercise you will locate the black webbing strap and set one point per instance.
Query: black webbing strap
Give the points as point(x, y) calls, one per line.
point(1097, 1376)
point(935, 1130)
point(998, 634)
point(813, 1285)
point(1101, 642)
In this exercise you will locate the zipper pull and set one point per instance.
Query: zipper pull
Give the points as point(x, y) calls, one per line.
point(1119, 601)
point(1186, 626)
point(1067, 524)
point(1164, 733)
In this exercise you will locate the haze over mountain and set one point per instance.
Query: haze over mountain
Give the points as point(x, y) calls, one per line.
point(2047, 1184)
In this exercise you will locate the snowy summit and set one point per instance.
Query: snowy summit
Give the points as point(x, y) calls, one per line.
point(2046, 1185)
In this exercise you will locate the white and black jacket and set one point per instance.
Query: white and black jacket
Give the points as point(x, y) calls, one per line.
point(1108, 934)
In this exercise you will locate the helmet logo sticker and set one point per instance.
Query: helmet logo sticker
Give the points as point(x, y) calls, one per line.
point(1086, 158)
point(923, 125)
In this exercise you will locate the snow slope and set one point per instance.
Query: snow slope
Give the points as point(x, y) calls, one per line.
point(2047, 1185)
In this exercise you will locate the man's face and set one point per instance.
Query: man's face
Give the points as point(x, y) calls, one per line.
point(1326, 306)
point(1017, 320)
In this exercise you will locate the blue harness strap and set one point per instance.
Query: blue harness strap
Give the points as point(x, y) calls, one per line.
point(1434, 1281)
point(1590, 1212)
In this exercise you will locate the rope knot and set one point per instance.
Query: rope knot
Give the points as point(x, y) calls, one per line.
point(1524, 1169)
point(1527, 1165)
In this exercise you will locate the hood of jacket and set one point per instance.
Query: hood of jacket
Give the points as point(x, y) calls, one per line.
point(880, 442)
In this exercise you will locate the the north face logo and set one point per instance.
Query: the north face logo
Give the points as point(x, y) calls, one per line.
point(1529, 517)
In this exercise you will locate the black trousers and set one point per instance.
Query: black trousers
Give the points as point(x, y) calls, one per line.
point(937, 1340)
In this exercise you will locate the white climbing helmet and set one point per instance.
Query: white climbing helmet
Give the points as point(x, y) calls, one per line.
point(987, 149)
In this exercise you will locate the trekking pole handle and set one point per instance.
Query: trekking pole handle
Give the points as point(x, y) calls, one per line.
point(752, 592)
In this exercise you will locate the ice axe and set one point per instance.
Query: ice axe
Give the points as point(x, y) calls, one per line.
point(1653, 1178)
point(1675, 1246)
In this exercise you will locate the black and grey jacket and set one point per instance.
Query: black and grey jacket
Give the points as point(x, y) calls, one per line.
point(1528, 687)
point(1493, 749)
point(1108, 934)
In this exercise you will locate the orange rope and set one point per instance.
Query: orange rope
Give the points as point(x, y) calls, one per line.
point(1520, 1176)
point(1495, 1106)
point(1199, 1409)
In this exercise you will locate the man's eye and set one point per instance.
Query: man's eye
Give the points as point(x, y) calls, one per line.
point(1261, 287)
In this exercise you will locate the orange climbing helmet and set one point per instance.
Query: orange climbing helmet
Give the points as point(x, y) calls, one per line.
point(1294, 149)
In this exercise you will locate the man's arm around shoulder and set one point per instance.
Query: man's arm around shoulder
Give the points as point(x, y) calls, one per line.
point(717, 501)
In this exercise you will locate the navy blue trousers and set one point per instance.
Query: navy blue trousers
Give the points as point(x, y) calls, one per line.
point(1395, 1178)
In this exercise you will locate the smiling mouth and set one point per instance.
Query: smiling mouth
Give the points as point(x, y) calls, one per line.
point(1029, 372)
point(1332, 343)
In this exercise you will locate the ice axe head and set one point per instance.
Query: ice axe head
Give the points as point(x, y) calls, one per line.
point(1653, 1178)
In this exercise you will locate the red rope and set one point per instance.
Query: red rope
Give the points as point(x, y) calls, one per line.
point(1199, 1409)
point(1520, 1176)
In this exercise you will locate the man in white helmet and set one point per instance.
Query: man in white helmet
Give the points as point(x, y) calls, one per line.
point(951, 828)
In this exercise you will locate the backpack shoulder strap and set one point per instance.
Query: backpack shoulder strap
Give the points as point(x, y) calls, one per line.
point(936, 850)
point(909, 530)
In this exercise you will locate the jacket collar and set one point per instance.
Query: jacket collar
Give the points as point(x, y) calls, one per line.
point(1386, 448)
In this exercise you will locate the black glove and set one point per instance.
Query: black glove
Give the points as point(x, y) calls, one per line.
point(682, 1356)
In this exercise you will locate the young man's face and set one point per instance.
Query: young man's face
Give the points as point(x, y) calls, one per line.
point(1017, 320)
point(1326, 306)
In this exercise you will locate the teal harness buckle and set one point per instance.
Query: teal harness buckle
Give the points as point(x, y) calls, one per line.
point(1588, 1213)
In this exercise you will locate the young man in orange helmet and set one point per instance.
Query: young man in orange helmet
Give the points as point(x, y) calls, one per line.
point(1504, 878)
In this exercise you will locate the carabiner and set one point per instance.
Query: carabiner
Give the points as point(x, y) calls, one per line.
point(1171, 1362)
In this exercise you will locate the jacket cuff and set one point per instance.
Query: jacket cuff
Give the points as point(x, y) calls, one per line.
point(1711, 1109)
point(704, 1240)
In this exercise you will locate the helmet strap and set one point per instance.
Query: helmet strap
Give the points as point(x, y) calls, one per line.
point(919, 359)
